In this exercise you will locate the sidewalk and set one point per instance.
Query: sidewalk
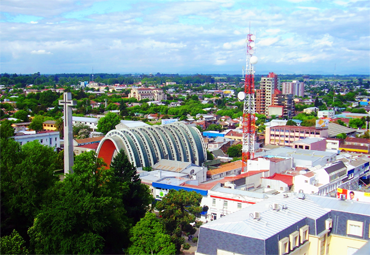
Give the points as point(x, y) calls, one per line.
point(193, 246)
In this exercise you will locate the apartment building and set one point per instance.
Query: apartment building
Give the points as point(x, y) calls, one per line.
point(295, 88)
point(264, 99)
point(290, 224)
point(286, 135)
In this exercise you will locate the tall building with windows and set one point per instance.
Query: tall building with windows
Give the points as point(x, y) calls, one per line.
point(146, 93)
point(264, 95)
point(295, 87)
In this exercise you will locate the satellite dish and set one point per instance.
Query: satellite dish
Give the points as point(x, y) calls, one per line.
point(252, 44)
point(253, 37)
point(253, 60)
point(241, 95)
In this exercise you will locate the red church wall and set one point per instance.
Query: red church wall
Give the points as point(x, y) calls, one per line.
point(106, 152)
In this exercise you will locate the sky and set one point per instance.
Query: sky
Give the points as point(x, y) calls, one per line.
point(185, 37)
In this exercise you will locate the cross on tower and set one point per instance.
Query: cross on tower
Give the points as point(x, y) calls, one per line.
point(68, 103)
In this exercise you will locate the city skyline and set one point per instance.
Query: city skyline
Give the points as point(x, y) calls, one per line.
point(293, 36)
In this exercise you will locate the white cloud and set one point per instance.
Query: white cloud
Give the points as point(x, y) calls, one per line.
point(40, 52)
point(268, 41)
point(273, 31)
point(33, 22)
point(308, 8)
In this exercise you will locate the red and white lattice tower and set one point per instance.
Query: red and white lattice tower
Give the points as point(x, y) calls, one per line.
point(249, 117)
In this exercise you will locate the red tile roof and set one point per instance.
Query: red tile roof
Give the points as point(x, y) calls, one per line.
point(93, 146)
point(288, 179)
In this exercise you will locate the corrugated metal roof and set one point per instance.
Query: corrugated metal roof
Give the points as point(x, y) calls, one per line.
point(342, 205)
point(271, 221)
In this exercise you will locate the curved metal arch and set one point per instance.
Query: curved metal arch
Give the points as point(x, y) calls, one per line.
point(184, 142)
point(150, 154)
point(191, 142)
point(172, 146)
point(125, 145)
point(200, 137)
point(178, 142)
point(168, 154)
point(136, 145)
point(158, 153)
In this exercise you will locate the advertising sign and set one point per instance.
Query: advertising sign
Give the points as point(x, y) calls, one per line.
point(322, 123)
point(353, 195)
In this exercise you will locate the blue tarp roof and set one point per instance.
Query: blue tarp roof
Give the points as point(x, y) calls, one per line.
point(167, 186)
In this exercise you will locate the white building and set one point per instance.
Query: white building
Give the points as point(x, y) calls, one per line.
point(326, 114)
point(48, 138)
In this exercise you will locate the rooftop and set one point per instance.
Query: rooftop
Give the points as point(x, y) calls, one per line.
point(226, 167)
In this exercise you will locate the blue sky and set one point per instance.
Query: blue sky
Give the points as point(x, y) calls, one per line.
point(190, 36)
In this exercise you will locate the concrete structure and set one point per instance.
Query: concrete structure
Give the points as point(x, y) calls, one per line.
point(146, 145)
point(68, 103)
point(301, 158)
point(312, 143)
point(49, 125)
point(286, 135)
point(272, 164)
point(146, 93)
point(286, 103)
point(290, 224)
point(48, 138)
point(309, 110)
point(326, 114)
point(295, 88)
point(268, 85)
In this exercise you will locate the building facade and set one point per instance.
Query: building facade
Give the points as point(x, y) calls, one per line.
point(264, 99)
point(146, 93)
point(295, 88)
point(48, 138)
point(286, 135)
point(146, 145)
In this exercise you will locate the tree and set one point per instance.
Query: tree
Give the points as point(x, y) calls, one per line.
point(177, 210)
point(291, 123)
point(214, 127)
point(235, 150)
point(59, 124)
point(108, 122)
point(357, 123)
point(37, 123)
point(86, 214)
point(21, 115)
point(149, 237)
point(138, 198)
point(77, 128)
point(342, 136)
point(13, 244)
point(308, 123)
point(26, 177)
point(210, 156)
point(6, 129)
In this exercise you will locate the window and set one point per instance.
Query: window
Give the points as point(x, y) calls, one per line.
point(239, 205)
point(225, 204)
point(56, 139)
point(41, 140)
point(294, 240)
point(214, 202)
point(303, 232)
point(284, 246)
point(354, 228)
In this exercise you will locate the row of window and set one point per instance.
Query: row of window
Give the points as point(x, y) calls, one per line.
point(296, 131)
point(294, 240)
point(42, 140)
point(214, 203)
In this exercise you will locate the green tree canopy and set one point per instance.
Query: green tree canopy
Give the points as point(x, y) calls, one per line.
point(342, 136)
point(13, 244)
point(149, 237)
point(108, 122)
point(26, 176)
point(291, 123)
point(37, 123)
point(138, 198)
point(235, 150)
point(86, 215)
point(6, 129)
point(177, 210)
point(21, 115)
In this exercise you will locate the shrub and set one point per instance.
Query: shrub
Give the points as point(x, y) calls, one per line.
point(195, 239)
point(186, 246)
point(198, 224)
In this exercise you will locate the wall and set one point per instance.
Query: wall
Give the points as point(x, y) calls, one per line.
point(211, 240)
point(319, 146)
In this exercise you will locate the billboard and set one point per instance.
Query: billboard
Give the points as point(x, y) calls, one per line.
point(322, 123)
point(353, 195)
point(168, 121)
